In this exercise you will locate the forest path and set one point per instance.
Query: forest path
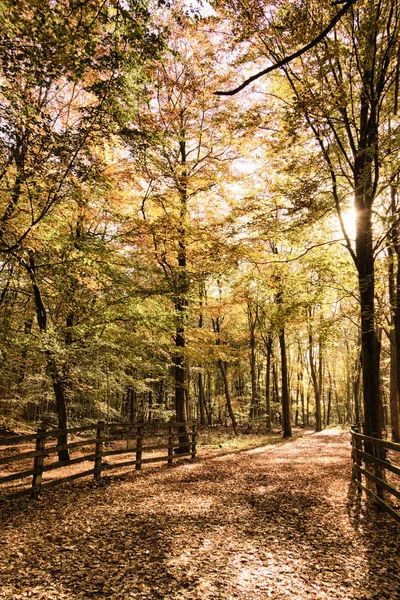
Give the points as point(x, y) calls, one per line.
point(275, 522)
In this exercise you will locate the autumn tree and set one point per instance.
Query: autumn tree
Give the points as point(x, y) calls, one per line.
point(182, 153)
point(62, 67)
point(344, 91)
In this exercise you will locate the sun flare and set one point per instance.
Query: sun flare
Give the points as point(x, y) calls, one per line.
point(349, 223)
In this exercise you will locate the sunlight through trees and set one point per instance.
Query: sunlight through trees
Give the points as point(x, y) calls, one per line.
point(166, 251)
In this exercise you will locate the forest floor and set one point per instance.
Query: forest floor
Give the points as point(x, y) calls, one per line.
point(280, 521)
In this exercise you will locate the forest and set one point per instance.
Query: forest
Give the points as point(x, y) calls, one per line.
point(199, 267)
point(199, 213)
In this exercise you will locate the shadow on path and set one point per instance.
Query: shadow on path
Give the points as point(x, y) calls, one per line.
point(277, 523)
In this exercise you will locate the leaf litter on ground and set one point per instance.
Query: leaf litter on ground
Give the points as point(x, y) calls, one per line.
point(280, 522)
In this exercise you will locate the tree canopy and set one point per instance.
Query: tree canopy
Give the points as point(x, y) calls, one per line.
point(167, 250)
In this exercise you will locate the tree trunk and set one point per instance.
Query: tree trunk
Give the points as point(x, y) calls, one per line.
point(318, 420)
point(201, 399)
point(393, 391)
point(200, 376)
point(301, 373)
point(328, 415)
point(394, 296)
point(52, 367)
point(208, 404)
point(180, 302)
point(223, 367)
point(369, 341)
point(339, 416)
point(180, 399)
point(356, 389)
point(254, 398)
point(275, 387)
point(252, 315)
point(268, 424)
point(24, 353)
point(364, 166)
point(298, 386)
point(320, 377)
point(286, 423)
point(308, 407)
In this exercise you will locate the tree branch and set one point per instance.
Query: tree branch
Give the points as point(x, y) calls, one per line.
point(291, 57)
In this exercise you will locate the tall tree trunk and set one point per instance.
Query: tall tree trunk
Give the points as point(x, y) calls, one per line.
point(254, 398)
point(393, 390)
point(318, 419)
point(328, 415)
point(349, 385)
point(200, 375)
point(285, 397)
point(339, 416)
point(180, 399)
point(24, 353)
point(268, 423)
point(252, 316)
point(298, 387)
point(394, 296)
point(202, 409)
point(320, 375)
point(286, 422)
point(180, 303)
point(223, 365)
point(208, 404)
point(395, 401)
point(369, 340)
point(365, 165)
point(276, 396)
point(55, 374)
point(301, 374)
point(356, 388)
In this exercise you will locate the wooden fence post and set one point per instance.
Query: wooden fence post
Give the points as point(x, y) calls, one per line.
point(39, 462)
point(139, 446)
point(358, 460)
point(193, 441)
point(99, 450)
point(130, 441)
point(378, 468)
point(170, 444)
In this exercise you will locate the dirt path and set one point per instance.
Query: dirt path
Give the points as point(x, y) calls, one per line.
point(248, 525)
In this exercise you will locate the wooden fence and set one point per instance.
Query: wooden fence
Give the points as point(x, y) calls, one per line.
point(381, 460)
point(100, 441)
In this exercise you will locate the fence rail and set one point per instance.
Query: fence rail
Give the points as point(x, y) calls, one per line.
point(178, 439)
point(373, 453)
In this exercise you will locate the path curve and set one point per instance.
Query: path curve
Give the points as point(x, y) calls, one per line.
point(276, 522)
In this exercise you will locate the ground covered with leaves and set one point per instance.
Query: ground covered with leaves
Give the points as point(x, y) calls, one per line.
point(280, 521)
